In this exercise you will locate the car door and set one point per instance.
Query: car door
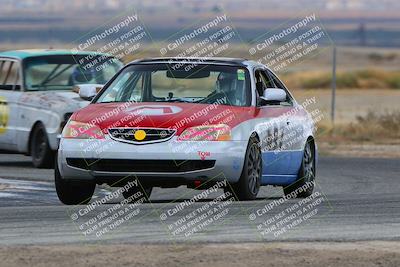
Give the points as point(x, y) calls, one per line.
point(274, 153)
point(10, 92)
point(293, 130)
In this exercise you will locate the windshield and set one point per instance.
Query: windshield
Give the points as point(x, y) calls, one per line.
point(226, 85)
point(62, 72)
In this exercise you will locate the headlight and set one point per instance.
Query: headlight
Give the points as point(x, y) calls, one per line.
point(81, 130)
point(218, 132)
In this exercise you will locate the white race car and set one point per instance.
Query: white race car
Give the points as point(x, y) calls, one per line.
point(167, 122)
point(37, 97)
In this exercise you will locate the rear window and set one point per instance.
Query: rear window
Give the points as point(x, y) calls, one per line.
point(9, 75)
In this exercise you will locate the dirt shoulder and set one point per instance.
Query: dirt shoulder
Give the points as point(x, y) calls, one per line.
point(366, 150)
point(371, 253)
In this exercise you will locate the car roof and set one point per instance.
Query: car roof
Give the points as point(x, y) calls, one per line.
point(199, 60)
point(22, 54)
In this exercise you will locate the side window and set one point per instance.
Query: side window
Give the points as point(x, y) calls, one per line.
point(9, 75)
point(260, 84)
point(279, 85)
point(268, 82)
point(263, 82)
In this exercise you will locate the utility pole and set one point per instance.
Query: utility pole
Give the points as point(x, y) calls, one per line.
point(333, 102)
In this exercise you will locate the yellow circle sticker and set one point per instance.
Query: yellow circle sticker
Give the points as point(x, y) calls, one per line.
point(140, 135)
point(4, 113)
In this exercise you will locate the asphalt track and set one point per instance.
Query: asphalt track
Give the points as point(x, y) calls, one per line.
point(359, 200)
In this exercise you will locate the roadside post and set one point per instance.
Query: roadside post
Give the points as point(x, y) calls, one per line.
point(333, 85)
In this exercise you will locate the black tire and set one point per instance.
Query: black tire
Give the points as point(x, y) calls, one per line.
point(133, 190)
point(250, 180)
point(73, 192)
point(306, 175)
point(42, 155)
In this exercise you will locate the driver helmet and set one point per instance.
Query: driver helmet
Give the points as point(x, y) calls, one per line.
point(226, 82)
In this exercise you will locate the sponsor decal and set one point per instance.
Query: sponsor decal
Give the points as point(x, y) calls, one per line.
point(4, 114)
point(203, 154)
point(240, 75)
point(154, 110)
point(140, 135)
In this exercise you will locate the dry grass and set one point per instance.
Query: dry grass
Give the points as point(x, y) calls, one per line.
point(367, 122)
point(373, 127)
point(356, 79)
point(351, 103)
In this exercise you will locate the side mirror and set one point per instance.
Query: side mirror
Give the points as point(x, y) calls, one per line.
point(87, 91)
point(274, 95)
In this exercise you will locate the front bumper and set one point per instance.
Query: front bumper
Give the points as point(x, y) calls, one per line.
point(228, 157)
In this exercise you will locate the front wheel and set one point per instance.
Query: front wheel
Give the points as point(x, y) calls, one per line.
point(42, 155)
point(304, 185)
point(73, 192)
point(250, 180)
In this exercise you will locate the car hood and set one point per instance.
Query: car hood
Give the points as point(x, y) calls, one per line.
point(177, 116)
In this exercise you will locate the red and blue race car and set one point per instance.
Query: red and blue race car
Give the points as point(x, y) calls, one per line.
point(167, 122)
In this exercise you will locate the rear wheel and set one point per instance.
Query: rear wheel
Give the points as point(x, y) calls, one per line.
point(42, 155)
point(250, 180)
point(73, 192)
point(304, 186)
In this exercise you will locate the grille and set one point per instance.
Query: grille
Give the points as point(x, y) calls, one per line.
point(151, 135)
point(129, 165)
